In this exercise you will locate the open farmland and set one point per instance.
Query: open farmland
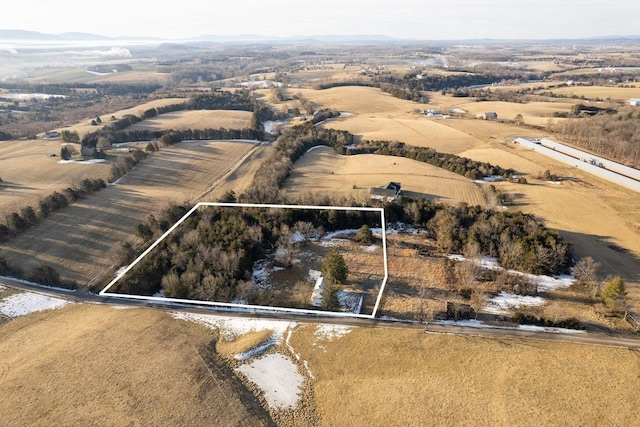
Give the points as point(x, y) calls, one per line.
point(533, 113)
point(29, 174)
point(85, 127)
point(80, 240)
point(358, 100)
point(431, 379)
point(196, 119)
point(413, 129)
point(603, 92)
point(327, 172)
point(90, 365)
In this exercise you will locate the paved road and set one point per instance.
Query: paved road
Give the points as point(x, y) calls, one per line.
point(613, 340)
point(573, 159)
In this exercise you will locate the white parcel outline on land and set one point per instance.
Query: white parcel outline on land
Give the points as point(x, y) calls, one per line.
point(245, 307)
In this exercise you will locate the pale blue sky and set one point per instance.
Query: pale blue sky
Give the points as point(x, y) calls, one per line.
point(431, 20)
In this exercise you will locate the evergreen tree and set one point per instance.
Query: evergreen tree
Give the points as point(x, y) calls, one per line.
point(334, 268)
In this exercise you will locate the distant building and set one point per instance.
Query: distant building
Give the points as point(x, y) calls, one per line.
point(634, 101)
point(487, 116)
point(52, 134)
point(388, 193)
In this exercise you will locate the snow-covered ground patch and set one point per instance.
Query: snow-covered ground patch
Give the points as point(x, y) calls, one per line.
point(271, 126)
point(329, 332)
point(316, 147)
point(278, 377)
point(370, 249)
point(260, 275)
point(29, 302)
point(503, 302)
point(350, 301)
point(544, 283)
point(2, 288)
point(82, 162)
point(233, 327)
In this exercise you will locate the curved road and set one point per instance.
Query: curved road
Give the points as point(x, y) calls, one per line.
point(591, 338)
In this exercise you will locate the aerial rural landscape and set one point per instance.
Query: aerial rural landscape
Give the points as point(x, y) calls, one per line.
point(319, 230)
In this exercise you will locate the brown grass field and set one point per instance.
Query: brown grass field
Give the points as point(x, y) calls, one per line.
point(604, 226)
point(385, 377)
point(29, 174)
point(533, 113)
point(324, 171)
point(80, 240)
point(96, 365)
point(85, 127)
point(198, 119)
point(604, 92)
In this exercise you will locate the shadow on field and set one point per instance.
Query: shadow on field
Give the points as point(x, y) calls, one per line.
point(613, 259)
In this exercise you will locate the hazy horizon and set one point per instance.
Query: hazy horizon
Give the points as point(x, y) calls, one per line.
point(401, 19)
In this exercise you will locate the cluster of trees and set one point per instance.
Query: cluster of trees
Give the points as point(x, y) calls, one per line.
point(115, 132)
point(211, 255)
point(471, 169)
point(518, 240)
point(28, 216)
point(616, 136)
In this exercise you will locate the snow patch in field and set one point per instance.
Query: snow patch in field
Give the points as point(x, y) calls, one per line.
point(233, 327)
point(330, 332)
point(271, 126)
point(260, 275)
point(2, 288)
point(544, 283)
point(350, 301)
point(278, 377)
point(29, 302)
point(503, 302)
point(535, 328)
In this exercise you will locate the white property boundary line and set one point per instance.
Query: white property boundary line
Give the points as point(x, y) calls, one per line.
point(248, 307)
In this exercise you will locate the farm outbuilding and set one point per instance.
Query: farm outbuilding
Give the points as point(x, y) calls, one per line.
point(490, 115)
point(318, 290)
point(388, 193)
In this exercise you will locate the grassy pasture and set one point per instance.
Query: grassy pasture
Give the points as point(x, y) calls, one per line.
point(413, 129)
point(358, 100)
point(78, 75)
point(96, 365)
point(322, 170)
point(398, 377)
point(29, 174)
point(85, 127)
point(604, 92)
point(533, 113)
point(80, 240)
point(196, 119)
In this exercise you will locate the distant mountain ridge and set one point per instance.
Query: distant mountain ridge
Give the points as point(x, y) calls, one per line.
point(35, 36)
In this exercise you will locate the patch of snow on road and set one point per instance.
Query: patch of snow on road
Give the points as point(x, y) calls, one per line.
point(330, 332)
point(535, 328)
point(503, 302)
point(278, 377)
point(232, 327)
point(29, 302)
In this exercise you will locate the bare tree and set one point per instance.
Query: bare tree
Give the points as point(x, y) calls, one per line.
point(586, 271)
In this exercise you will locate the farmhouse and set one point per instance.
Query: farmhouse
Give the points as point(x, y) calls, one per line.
point(490, 115)
point(388, 193)
point(634, 101)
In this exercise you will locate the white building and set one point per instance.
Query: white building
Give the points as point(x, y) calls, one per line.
point(634, 101)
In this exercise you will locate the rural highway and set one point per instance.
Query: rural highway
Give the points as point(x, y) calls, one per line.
point(611, 171)
point(591, 338)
